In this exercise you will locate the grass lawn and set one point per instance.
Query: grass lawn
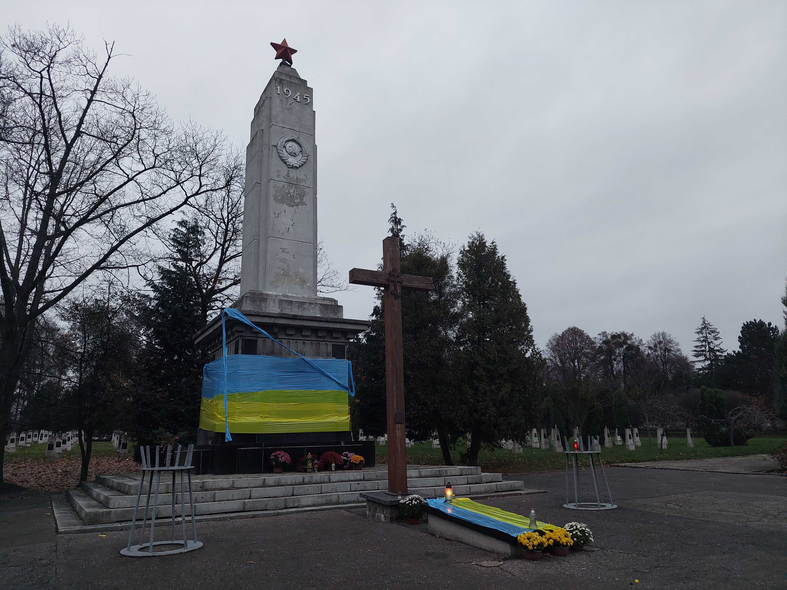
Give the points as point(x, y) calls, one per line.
point(505, 461)
point(36, 452)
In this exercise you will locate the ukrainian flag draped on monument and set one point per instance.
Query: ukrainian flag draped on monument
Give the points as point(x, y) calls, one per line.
point(255, 394)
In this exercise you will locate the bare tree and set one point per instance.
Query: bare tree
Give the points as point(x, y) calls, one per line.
point(89, 164)
point(329, 279)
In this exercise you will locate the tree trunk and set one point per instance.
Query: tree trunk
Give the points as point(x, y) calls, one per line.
point(445, 448)
point(3, 430)
point(85, 449)
point(732, 432)
point(475, 446)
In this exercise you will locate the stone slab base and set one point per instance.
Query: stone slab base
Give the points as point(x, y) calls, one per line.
point(454, 530)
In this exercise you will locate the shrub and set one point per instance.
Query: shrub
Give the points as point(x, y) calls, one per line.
point(329, 458)
point(717, 434)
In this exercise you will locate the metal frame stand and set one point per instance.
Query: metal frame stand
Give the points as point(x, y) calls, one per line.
point(576, 504)
point(171, 464)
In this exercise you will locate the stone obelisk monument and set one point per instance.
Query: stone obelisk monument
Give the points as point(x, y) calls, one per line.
point(278, 289)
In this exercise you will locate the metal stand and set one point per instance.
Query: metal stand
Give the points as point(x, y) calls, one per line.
point(171, 464)
point(598, 504)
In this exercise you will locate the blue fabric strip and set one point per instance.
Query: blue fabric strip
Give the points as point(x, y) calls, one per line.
point(475, 518)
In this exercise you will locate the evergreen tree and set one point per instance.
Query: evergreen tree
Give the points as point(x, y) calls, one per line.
point(171, 316)
point(428, 322)
point(780, 367)
point(707, 350)
point(497, 363)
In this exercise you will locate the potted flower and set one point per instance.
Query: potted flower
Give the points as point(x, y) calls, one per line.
point(357, 462)
point(580, 534)
point(533, 544)
point(411, 507)
point(330, 460)
point(347, 456)
point(559, 540)
point(280, 460)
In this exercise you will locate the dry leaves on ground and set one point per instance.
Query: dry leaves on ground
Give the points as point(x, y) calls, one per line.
point(63, 474)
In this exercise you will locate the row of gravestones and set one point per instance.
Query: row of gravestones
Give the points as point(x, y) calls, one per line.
point(632, 440)
point(25, 439)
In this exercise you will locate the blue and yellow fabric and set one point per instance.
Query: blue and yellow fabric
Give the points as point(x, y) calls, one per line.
point(256, 394)
point(487, 516)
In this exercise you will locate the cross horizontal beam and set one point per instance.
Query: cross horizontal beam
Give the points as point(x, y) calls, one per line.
point(379, 278)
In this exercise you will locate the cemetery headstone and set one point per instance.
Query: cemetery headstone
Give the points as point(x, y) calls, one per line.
point(663, 441)
point(435, 443)
point(69, 443)
point(381, 441)
point(58, 447)
point(576, 433)
point(659, 431)
point(534, 439)
point(517, 448)
point(527, 440)
point(123, 447)
point(629, 440)
point(544, 440)
point(11, 446)
point(35, 436)
point(558, 446)
point(607, 439)
point(618, 440)
point(689, 440)
point(509, 445)
point(637, 442)
point(596, 444)
point(49, 454)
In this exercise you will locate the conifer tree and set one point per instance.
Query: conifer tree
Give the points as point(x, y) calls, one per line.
point(497, 363)
point(780, 367)
point(707, 350)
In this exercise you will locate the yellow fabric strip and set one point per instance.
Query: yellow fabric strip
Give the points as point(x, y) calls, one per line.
point(498, 514)
point(268, 412)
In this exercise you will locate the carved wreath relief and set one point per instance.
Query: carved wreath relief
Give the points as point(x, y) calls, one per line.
point(291, 152)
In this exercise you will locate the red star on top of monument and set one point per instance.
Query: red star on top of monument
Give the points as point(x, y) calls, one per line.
point(283, 51)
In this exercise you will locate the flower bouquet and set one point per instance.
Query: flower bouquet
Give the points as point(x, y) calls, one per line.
point(411, 507)
point(307, 463)
point(580, 534)
point(328, 459)
point(280, 460)
point(533, 544)
point(559, 540)
point(357, 462)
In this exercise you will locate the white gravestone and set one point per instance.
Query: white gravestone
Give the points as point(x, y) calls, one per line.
point(544, 440)
point(509, 445)
point(659, 430)
point(663, 441)
point(576, 434)
point(517, 449)
point(534, 439)
point(636, 438)
point(49, 454)
point(11, 446)
point(35, 436)
point(123, 447)
point(629, 440)
point(689, 440)
point(558, 446)
point(618, 440)
point(69, 443)
point(607, 439)
point(58, 447)
point(435, 443)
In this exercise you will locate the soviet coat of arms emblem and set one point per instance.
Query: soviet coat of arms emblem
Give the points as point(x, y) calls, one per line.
point(291, 152)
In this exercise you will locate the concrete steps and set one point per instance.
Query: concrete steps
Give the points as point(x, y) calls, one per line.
point(111, 499)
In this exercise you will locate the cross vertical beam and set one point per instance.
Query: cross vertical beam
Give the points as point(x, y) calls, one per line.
point(392, 279)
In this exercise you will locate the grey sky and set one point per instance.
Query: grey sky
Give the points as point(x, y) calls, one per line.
point(630, 158)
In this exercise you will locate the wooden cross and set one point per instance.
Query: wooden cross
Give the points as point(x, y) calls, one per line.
point(392, 279)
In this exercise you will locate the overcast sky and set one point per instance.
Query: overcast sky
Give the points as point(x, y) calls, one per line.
point(629, 158)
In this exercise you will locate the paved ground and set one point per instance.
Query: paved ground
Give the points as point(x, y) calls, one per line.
point(746, 464)
point(674, 529)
